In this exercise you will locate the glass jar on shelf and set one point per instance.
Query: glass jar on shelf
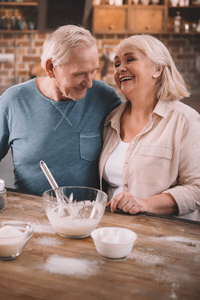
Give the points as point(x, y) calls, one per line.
point(4, 22)
point(177, 22)
point(198, 26)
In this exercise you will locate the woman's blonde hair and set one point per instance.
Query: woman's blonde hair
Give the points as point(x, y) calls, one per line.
point(170, 85)
point(60, 42)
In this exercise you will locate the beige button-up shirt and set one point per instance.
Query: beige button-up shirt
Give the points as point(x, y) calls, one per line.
point(163, 158)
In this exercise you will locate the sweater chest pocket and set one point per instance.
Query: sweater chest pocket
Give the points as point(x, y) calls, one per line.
point(90, 145)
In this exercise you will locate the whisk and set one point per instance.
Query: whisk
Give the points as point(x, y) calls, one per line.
point(60, 196)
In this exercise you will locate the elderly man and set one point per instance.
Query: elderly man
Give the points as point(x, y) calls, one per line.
point(58, 118)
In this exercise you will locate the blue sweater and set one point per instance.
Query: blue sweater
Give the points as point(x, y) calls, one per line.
point(67, 136)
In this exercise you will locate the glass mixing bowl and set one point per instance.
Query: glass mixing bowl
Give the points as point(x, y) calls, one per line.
point(78, 217)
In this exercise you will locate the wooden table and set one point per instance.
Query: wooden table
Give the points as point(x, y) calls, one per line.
point(164, 262)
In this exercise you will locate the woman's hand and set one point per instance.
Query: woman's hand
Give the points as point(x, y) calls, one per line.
point(128, 203)
point(161, 204)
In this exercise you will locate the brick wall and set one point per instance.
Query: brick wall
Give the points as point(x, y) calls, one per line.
point(27, 49)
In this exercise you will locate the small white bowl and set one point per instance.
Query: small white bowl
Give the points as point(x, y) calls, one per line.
point(113, 242)
point(14, 235)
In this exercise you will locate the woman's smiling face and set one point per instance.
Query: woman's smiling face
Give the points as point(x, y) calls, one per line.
point(133, 71)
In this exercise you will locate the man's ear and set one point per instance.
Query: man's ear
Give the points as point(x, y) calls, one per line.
point(49, 68)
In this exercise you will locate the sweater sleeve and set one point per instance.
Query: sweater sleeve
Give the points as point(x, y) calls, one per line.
point(116, 101)
point(4, 133)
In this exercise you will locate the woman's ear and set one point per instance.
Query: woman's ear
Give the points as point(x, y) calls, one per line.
point(158, 72)
point(49, 68)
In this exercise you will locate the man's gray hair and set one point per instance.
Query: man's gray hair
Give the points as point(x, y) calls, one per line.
point(58, 44)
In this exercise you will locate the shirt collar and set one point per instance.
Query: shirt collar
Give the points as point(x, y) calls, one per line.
point(160, 109)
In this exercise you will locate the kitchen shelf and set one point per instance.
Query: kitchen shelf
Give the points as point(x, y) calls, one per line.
point(28, 12)
point(7, 31)
point(18, 4)
point(132, 18)
point(184, 7)
point(18, 9)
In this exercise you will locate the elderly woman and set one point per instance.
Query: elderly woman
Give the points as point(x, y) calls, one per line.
point(151, 154)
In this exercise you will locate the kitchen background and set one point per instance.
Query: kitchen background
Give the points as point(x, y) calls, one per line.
point(24, 25)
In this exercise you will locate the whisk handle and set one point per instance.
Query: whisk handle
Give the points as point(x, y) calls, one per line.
point(48, 175)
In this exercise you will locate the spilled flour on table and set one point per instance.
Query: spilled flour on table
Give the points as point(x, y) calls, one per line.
point(44, 227)
point(179, 240)
point(145, 258)
point(70, 266)
point(173, 289)
point(19, 206)
point(48, 241)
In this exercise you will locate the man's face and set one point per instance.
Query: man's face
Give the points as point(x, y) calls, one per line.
point(74, 78)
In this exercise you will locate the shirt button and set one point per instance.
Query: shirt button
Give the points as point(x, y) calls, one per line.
point(126, 185)
point(133, 142)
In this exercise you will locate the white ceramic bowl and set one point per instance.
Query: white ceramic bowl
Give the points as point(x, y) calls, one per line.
point(78, 218)
point(113, 242)
point(14, 235)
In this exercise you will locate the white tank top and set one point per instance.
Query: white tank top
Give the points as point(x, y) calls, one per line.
point(113, 171)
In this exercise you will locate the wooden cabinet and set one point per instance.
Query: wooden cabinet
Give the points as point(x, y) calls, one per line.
point(110, 19)
point(132, 18)
point(147, 19)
